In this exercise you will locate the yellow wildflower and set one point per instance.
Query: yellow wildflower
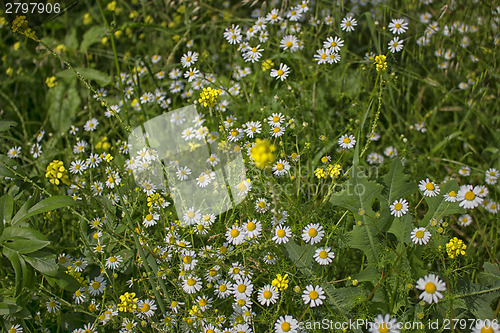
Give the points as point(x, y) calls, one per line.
point(51, 81)
point(56, 172)
point(267, 64)
point(455, 247)
point(262, 153)
point(209, 96)
point(381, 63)
point(320, 173)
point(281, 282)
point(87, 19)
point(128, 302)
point(334, 170)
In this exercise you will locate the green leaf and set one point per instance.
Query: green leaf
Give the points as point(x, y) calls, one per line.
point(8, 306)
point(99, 77)
point(63, 280)
point(23, 239)
point(402, 228)
point(51, 203)
point(490, 276)
point(18, 264)
point(6, 208)
point(476, 298)
point(25, 207)
point(44, 262)
point(6, 125)
point(397, 182)
point(64, 102)
point(438, 207)
point(91, 36)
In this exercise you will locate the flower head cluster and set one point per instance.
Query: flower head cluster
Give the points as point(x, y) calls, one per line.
point(128, 302)
point(455, 247)
point(381, 63)
point(57, 173)
point(281, 282)
point(20, 24)
point(209, 96)
point(262, 153)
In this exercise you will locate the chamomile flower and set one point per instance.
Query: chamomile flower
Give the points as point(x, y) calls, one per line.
point(398, 26)
point(80, 147)
point(77, 167)
point(465, 220)
point(79, 264)
point(252, 229)
point(192, 74)
point(244, 188)
point(252, 128)
point(146, 308)
point(324, 255)
point(97, 285)
point(432, 287)
point(464, 171)
point(429, 188)
point(191, 216)
point(203, 180)
point(261, 205)
point(91, 125)
point(390, 152)
point(14, 152)
point(182, 173)
point(213, 160)
point(235, 235)
point(267, 295)
point(281, 167)
point(322, 56)
point(395, 45)
point(399, 207)
point(273, 16)
point(490, 206)
point(277, 131)
point(290, 42)
point(191, 284)
point(253, 54)
point(189, 59)
point(491, 176)
point(53, 306)
point(348, 23)
point(242, 288)
point(468, 196)
point(114, 262)
point(286, 324)
point(384, 324)
point(347, 141)
point(420, 236)
point(333, 44)
point(15, 328)
point(313, 295)
point(281, 73)
point(150, 219)
point(221, 289)
point(233, 34)
point(282, 234)
point(313, 233)
point(36, 150)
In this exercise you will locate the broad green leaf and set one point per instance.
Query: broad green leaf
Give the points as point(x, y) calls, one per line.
point(438, 207)
point(402, 228)
point(367, 239)
point(63, 280)
point(476, 298)
point(6, 125)
point(23, 245)
point(8, 307)
point(44, 262)
point(63, 103)
point(397, 184)
point(15, 259)
point(91, 36)
point(25, 207)
point(51, 203)
point(22, 232)
point(6, 208)
point(490, 276)
point(99, 77)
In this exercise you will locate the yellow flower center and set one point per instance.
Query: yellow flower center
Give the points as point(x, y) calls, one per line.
point(242, 288)
point(190, 282)
point(187, 259)
point(430, 287)
point(96, 285)
point(347, 140)
point(235, 233)
point(383, 328)
point(202, 302)
point(149, 217)
point(487, 329)
point(201, 179)
point(281, 233)
point(469, 196)
point(419, 234)
point(280, 166)
point(285, 326)
point(323, 56)
point(190, 214)
point(398, 206)
point(145, 307)
point(280, 72)
point(452, 194)
point(241, 302)
point(429, 186)
point(52, 304)
point(234, 132)
point(251, 226)
point(323, 254)
point(397, 25)
point(222, 288)
point(289, 44)
point(312, 232)
point(313, 294)
point(113, 259)
point(78, 293)
point(267, 294)
point(188, 59)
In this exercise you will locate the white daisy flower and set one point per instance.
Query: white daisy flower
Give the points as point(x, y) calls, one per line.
point(281, 167)
point(324, 255)
point(282, 234)
point(97, 285)
point(189, 59)
point(399, 207)
point(348, 23)
point(432, 287)
point(347, 141)
point(465, 220)
point(286, 324)
point(235, 235)
point(113, 262)
point(398, 26)
point(191, 284)
point(420, 236)
point(91, 125)
point(281, 73)
point(429, 188)
point(267, 295)
point(468, 196)
point(395, 45)
point(313, 296)
point(313, 233)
